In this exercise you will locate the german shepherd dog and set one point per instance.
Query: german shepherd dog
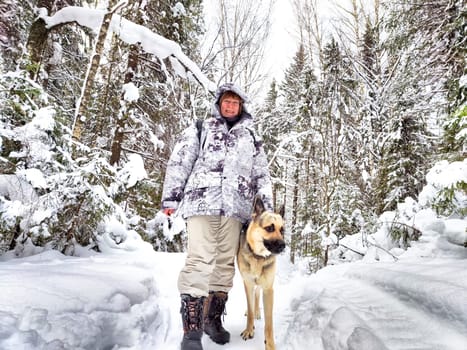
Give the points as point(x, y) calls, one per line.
point(256, 260)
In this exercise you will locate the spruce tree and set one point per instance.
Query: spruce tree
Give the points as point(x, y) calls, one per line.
point(83, 191)
point(269, 124)
point(298, 93)
point(423, 61)
point(402, 167)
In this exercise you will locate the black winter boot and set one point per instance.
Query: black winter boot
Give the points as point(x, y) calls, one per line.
point(192, 319)
point(214, 309)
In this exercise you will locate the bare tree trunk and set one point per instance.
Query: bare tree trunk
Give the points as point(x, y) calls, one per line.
point(37, 40)
point(296, 235)
point(91, 74)
point(36, 44)
point(309, 27)
point(135, 8)
point(326, 256)
point(122, 119)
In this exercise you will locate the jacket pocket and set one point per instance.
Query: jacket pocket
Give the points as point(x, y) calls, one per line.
point(203, 180)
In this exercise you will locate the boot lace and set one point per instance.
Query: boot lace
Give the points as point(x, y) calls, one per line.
point(218, 313)
point(194, 312)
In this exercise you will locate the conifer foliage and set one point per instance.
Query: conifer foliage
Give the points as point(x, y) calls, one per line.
point(369, 103)
point(81, 180)
point(375, 99)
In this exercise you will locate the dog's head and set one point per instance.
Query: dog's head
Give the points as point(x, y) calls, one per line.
point(266, 231)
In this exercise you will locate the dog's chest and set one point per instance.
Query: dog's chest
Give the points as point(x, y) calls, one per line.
point(256, 268)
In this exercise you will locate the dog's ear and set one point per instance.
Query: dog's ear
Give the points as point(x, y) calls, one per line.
point(258, 206)
point(282, 210)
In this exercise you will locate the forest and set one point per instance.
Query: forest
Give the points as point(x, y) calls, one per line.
point(374, 97)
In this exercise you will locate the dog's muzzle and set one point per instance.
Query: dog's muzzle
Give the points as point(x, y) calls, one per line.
point(275, 246)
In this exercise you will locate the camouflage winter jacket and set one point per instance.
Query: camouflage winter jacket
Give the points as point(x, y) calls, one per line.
point(218, 172)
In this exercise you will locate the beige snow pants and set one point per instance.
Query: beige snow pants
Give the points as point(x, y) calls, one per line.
point(210, 263)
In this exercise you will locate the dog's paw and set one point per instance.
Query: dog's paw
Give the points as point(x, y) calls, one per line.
point(247, 334)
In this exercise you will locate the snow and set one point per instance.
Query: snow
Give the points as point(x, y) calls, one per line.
point(33, 134)
point(130, 33)
point(126, 297)
point(33, 176)
point(17, 189)
point(133, 170)
point(130, 92)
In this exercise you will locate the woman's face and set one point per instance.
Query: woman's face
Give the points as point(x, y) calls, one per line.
point(230, 107)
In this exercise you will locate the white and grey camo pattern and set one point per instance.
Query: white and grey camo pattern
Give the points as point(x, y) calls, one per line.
point(222, 175)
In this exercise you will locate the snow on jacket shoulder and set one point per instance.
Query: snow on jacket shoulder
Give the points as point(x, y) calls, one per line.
point(219, 175)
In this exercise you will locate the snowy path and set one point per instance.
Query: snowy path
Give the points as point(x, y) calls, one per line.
point(382, 306)
point(373, 306)
point(130, 301)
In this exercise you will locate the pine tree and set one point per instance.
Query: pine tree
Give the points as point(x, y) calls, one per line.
point(82, 191)
point(297, 94)
point(422, 65)
point(268, 120)
point(294, 92)
point(427, 38)
point(403, 166)
point(454, 143)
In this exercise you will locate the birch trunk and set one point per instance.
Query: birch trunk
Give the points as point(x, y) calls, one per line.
point(80, 116)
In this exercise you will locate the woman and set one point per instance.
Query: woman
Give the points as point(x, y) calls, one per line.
point(216, 174)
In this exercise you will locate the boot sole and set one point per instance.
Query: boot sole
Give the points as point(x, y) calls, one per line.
point(217, 341)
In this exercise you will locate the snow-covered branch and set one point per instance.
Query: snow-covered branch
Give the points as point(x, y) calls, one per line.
point(130, 33)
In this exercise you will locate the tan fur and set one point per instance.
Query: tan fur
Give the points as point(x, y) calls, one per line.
point(257, 265)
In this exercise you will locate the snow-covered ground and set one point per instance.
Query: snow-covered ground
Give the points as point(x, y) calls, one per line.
point(127, 299)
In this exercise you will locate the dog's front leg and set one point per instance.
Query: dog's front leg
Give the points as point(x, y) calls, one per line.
point(249, 331)
point(257, 308)
point(268, 304)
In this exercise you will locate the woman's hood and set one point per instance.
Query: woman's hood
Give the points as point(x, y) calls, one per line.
point(233, 88)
